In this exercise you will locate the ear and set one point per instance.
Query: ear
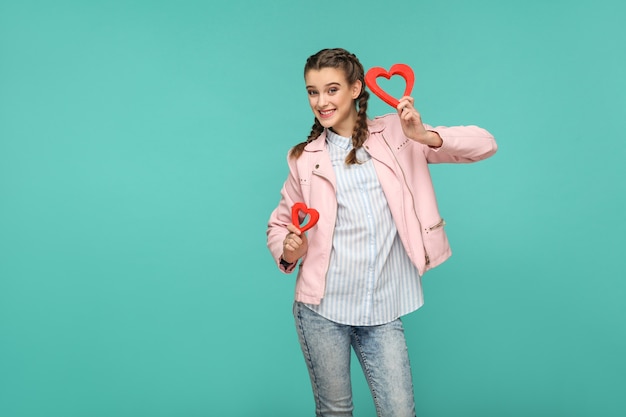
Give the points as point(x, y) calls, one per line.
point(356, 89)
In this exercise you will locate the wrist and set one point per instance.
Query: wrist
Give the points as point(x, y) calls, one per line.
point(286, 264)
point(434, 140)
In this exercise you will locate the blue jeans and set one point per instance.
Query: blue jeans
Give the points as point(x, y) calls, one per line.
point(383, 355)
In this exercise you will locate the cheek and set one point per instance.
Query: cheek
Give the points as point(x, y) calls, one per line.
point(346, 101)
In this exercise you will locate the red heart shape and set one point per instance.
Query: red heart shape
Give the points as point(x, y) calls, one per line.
point(295, 216)
point(402, 70)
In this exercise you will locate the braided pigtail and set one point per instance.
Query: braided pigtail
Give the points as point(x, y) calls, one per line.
point(360, 134)
point(316, 130)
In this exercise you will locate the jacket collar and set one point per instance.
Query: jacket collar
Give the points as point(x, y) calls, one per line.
point(317, 144)
point(374, 126)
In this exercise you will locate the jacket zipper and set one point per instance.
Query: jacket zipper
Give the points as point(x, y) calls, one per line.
point(427, 257)
point(441, 223)
point(332, 233)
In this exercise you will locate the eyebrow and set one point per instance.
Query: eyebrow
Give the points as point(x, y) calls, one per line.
point(327, 85)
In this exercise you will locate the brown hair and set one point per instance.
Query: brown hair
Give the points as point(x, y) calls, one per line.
point(352, 68)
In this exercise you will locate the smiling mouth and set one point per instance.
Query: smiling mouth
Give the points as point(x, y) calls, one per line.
point(325, 114)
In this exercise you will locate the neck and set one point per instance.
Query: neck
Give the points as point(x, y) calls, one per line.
point(346, 128)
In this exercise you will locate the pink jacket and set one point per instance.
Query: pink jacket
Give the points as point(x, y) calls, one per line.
point(402, 168)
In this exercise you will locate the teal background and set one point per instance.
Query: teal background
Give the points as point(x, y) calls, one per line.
point(142, 149)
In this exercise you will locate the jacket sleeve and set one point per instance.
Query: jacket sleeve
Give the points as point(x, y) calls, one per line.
point(281, 216)
point(461, 144)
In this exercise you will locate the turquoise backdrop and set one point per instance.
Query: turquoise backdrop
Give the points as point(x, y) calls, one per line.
point(142, 149)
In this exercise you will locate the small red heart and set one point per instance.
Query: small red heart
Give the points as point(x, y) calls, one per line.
point(402, 70)
point(313, 214)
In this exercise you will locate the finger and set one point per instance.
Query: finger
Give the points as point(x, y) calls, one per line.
point(293, 229)
point(293, 241)
point(411, 111)
point(407, 116)
point(407, 102)
point(407, 112)
point(403, 112)
point(409, 99)
point(406, 108)
point(289, 248)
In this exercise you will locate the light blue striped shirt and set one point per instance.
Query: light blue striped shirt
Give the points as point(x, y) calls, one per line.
point(370, 279)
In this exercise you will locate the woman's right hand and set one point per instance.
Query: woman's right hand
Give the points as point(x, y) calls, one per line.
point(295, 244)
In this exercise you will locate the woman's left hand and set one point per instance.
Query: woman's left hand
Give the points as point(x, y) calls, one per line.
point(412, 125)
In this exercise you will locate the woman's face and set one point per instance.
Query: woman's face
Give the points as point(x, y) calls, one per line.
point(332, 99)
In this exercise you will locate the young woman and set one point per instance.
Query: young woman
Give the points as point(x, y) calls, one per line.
point(379, 230)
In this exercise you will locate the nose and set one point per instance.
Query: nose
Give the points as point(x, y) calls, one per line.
point(321, 100)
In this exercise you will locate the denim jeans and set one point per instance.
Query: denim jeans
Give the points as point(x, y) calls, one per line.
point(383, 355)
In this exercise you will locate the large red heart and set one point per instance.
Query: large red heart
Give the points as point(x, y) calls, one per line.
point(314, 216)
point(402, 70)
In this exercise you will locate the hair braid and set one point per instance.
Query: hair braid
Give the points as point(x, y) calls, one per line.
point(316, 130)
point(359, 136)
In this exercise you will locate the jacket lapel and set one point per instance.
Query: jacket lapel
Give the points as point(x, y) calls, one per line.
point(319, 159)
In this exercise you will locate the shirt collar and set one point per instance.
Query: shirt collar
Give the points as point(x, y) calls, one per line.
point(337, 140)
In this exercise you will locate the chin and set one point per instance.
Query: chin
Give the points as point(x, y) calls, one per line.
point(325, 123)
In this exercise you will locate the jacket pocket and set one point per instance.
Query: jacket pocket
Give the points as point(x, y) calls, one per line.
point(438, 225)
point(435, 243)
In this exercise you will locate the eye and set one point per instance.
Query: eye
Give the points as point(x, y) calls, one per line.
point(332, 90)
point(311, 92)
